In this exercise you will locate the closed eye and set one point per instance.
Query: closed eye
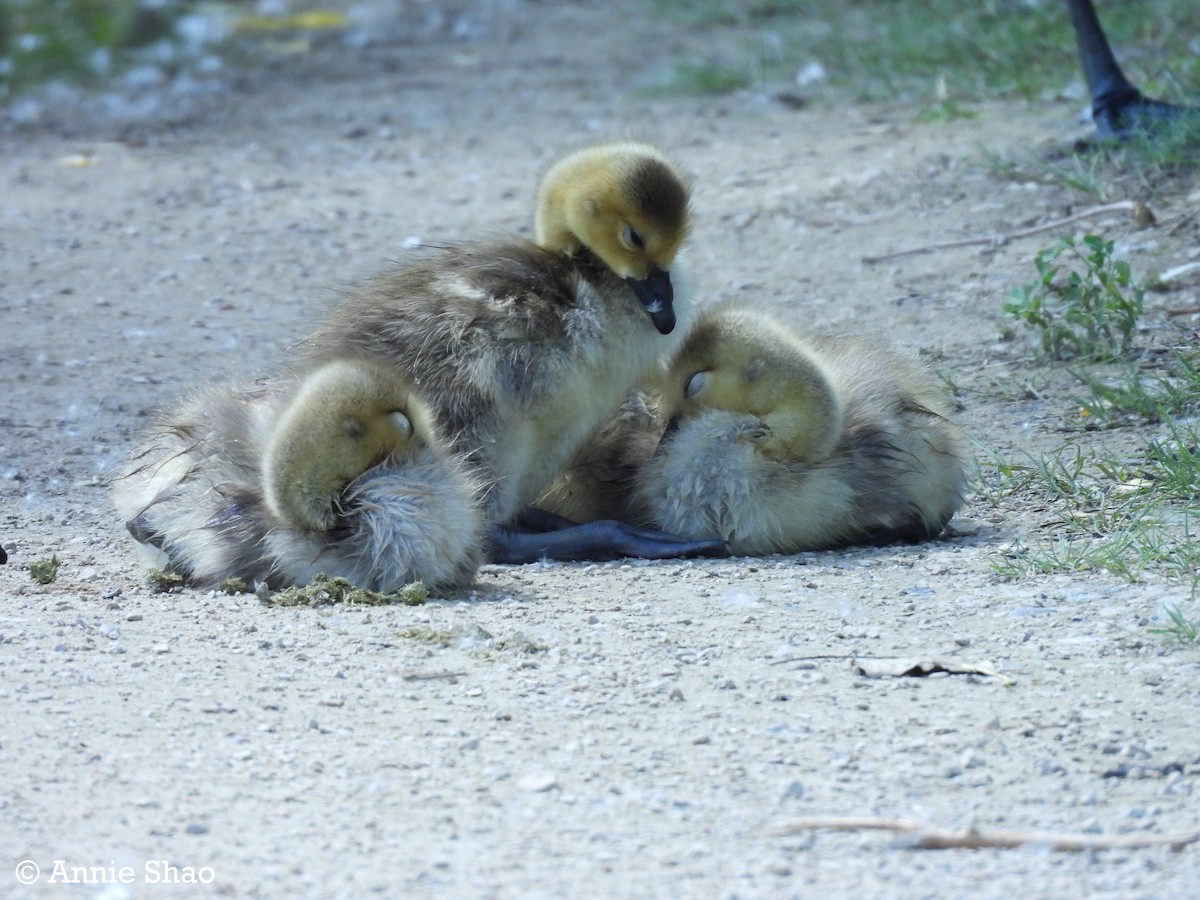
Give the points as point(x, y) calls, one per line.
point(401, 423)
point(694, 385)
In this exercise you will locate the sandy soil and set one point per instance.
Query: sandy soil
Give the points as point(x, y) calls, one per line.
point(628, 729)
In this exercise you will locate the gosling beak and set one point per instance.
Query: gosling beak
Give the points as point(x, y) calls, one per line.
point(658, 297)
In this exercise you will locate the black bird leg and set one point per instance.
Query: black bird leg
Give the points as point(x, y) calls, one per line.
point(1118, 108)
point(538, 535)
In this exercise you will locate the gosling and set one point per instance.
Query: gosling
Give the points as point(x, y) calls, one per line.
point(523, 349)
point(775, 443)
point(339, 472)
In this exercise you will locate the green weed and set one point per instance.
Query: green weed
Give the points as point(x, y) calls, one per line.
point(1085, 315)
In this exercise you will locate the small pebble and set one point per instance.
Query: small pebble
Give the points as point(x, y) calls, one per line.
point(197, 828)
point(537, 782)
point(1050, 767)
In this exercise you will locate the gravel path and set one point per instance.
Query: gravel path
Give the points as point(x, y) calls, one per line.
point(628, 729)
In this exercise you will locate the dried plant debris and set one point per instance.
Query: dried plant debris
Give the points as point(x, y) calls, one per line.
point(165, 581)
point(475, 641)
point(928, 837)
point(468, 636)
point(325, 590)
point(519, 643)
point(44, 571)
point(452, 677)
point(918, 667)
point(235, 586)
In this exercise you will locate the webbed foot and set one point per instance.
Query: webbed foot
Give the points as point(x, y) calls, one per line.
point(538, 535)
point(139, 527)
point(1137, 115)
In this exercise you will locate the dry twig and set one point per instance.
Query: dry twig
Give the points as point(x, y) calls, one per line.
point(1139, 211)
point(929, 838)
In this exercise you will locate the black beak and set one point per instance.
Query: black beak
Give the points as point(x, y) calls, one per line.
point(658, 297)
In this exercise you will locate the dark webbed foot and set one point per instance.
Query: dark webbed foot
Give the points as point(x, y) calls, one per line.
point(1137, 115)
point(141, 530)
point(538, 535)
point(139, 527)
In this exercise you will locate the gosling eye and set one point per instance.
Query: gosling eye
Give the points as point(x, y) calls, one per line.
point(632, 239)
point(401, 422)
point(694, 385)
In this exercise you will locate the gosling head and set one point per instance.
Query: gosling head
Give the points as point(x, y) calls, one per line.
point(740, 361)
point(343, 418)
point(626, 204)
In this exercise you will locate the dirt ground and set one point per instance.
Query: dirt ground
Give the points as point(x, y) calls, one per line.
point(629, 729)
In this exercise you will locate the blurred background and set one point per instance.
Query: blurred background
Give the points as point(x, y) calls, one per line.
point(942, 55)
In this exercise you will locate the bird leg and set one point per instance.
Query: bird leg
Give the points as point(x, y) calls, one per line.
point(1118, 108)
point(538, 535)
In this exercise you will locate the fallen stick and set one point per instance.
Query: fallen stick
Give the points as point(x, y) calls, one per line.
point(1140, 211)
point(792, 659)
point(930, 838)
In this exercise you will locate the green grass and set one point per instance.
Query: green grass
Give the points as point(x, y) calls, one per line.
point(1141, 166)
point(1125, 516)
point(945, 111)
point(1181, 629)
point(706, 77)
point(1148, 391)
point(882, 50)
point(1080, 172)
point(89, 41)
point(77, 40)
